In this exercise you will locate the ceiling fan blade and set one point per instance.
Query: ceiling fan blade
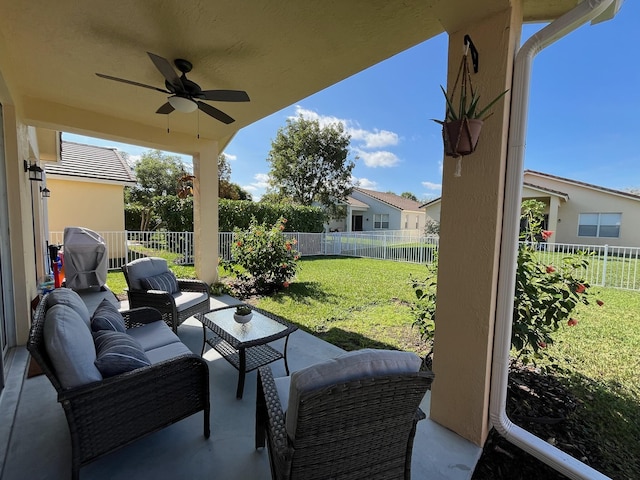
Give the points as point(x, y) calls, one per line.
point(130, 82)
point(215, 113)
point(226, 95)
point(165, 109)
point(165, 68)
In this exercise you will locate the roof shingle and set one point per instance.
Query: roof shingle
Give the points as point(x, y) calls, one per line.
point(91, 162)
point(391, 199)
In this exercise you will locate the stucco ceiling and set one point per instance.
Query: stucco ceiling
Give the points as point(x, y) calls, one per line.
point(279, 52)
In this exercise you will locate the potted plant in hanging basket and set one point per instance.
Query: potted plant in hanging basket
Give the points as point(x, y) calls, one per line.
point(242, 314)
point(461, 127)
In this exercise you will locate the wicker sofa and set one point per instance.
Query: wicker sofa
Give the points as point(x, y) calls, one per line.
point(350, 417)
point(103, 413)
point(151, 284)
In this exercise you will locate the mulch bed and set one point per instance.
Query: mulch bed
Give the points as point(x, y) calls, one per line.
point(540, 404)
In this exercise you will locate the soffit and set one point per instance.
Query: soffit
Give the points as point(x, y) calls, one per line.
point(279, 52)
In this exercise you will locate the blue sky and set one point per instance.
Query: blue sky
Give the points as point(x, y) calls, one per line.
point(584, 94)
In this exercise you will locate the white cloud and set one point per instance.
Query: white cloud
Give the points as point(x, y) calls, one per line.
point(261, 180)
point(231, 158)
point(375, 139)
point(370, 139)
point(364, 183)
point(432, 186)
point(379, 158)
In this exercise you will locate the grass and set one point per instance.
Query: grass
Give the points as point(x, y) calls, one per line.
point(356, 303)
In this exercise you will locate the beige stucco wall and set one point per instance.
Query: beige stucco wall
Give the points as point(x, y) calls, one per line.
point(589, 200)
point(470, 234)
point(93, 205)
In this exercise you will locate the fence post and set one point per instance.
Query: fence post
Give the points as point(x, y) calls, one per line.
point(126, 247)
point(604, 266)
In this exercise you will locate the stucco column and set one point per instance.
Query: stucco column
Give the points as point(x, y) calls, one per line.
point(349, 218)
point(470, 230)
point(205, 211)
point(554, 205)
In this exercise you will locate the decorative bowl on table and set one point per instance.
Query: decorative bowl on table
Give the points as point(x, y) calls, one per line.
point(242, 314)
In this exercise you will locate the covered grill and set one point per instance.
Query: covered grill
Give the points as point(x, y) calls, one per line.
point(85, 259)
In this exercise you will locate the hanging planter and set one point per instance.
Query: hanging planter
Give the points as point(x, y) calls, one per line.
point(462, 125)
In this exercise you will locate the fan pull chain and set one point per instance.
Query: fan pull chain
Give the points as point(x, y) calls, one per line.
point(198, 124)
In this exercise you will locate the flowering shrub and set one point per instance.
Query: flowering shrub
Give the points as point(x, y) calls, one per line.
point(545, 296)
point(264, 261)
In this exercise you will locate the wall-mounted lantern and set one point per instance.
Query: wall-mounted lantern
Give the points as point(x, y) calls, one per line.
point(35, 172)
point(45, 192)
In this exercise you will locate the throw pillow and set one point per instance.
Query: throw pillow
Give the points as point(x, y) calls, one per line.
point(118, 353)
point(66, 296)
point(166, 282)
point(107, 317)
point(70, 347)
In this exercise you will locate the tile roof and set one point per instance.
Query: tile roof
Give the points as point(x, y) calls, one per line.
point(391, 199)
point(545, 189)
point(354, 202)
point(91, 162)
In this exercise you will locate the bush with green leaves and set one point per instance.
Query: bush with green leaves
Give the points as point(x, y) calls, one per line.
point(238, 214)
point(545, 296)
point(263, 260)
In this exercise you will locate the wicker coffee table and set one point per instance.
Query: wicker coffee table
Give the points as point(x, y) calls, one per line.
point(245, 346)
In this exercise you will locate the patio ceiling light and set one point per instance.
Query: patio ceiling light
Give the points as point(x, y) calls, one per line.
point(183, 104)
point(35, 172)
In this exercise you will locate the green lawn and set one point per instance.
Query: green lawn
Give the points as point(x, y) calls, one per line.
point(356, 303)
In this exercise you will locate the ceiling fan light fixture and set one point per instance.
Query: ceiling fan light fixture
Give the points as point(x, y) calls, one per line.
point(183, 104)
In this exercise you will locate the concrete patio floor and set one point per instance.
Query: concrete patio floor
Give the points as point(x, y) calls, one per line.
point(35, 442)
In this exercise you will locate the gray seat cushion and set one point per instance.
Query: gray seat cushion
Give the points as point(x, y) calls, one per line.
point(70, 346)
point(153, 335)
point(360, 364)
point(166, 352)
point(66, 296)
point(186, 300)
point(144, 268)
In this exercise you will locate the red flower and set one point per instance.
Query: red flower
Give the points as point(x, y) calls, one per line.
point(600, 302)
point(572, 322)
point(281, 227)
point(285, 284)
point(542, 344)
point(580, 288)
point(550, 269)
point(287, 246)
point(546, 234)
point(239, 243)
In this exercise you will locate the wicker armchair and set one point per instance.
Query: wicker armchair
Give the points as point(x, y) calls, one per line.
point(108, 414)
point(359, 429)
point(192, 296)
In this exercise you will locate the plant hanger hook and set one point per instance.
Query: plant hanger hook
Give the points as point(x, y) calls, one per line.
point(468, 45)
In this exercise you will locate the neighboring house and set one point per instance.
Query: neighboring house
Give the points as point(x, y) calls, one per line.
point(369, 210)
point(577, 212)
point(87, 188)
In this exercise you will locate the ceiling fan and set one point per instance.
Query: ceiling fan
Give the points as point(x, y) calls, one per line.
point(185, 95)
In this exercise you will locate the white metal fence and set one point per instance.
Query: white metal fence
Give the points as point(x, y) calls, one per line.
point(617, 267)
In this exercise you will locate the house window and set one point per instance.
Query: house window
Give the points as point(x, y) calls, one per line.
point(599, 225)
point(381, 220)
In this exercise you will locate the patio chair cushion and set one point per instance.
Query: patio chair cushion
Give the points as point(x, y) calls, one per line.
point(107, 317)
point(167, 282)
point(117, 352)
point(68, 297)
point(144, 268)
point(153, 335)
point(359, 364)
point(166, 352)
point(185, 300)
point(68, 343)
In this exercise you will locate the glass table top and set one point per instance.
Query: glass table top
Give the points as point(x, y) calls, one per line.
point(258, 327)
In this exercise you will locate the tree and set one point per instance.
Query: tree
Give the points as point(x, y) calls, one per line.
point(409, 195)
point(158, 175)
point(309, 162)
point(226, 188)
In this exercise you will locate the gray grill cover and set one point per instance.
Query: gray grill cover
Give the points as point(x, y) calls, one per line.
point(85, 259)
